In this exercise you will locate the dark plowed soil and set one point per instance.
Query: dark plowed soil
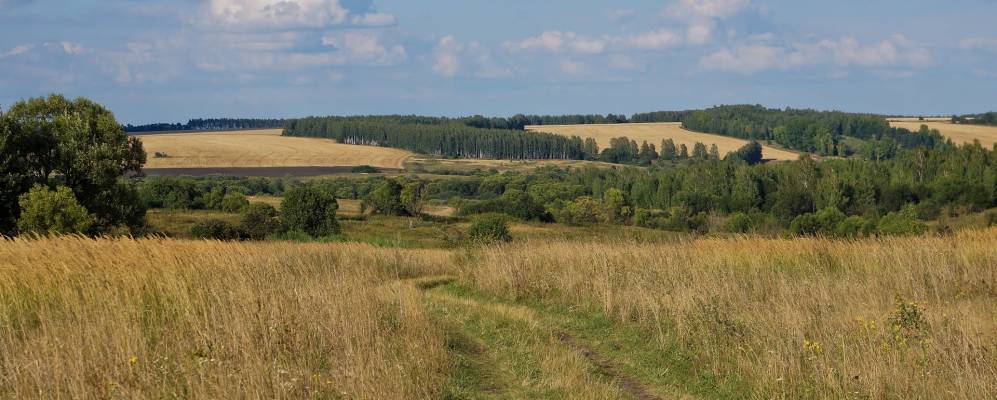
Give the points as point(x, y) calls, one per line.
point(252, 171)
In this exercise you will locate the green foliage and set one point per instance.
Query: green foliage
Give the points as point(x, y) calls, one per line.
point(617, 209)
point(72, 143)
point(582, 211)
point(365, 169)
point(45, 211)
point(234, 202)
point(488, 229)
point(413, 197)
point(259, 221)
point(740, 223)
point(386, 199)
point(311, 211)
point(903, 223)
point(750, 153)
point(215, 229)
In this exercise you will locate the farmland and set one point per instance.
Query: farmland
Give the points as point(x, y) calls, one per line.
point(654, 133)
point(959, 133)
point(262, 149)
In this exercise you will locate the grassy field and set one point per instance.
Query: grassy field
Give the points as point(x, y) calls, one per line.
point(262, 148)
point(654, 133)
point(959, 133)
point(540, 318)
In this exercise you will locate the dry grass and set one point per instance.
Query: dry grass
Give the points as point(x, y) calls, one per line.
point(654, 133)
point(959, 133)
point(119, 318)
point(262, 148)
point(807, 318)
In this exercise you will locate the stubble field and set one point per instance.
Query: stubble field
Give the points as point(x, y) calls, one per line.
point(959, 133)
point(262, 149)
point(654, 133)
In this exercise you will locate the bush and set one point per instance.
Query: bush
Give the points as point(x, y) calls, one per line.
point(311, 211)
point(852, 227)
point(45, 211)
point(489, 228)
point(386, 199)
point(739, 223)
point(804, 225)
point(234, 202)
point(215, 229)
point(365, 169)
point(583, 211)
point(903, 223)
point(259, 221)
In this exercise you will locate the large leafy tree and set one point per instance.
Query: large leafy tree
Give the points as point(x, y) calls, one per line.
point(73, 143)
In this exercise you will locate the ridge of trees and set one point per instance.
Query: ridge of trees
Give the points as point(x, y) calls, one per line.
point(988, 118)
point(438, 136)
point(209, 124)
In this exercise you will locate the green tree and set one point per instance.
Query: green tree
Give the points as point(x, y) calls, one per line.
point(77, 144)
point(617, 209)
point(386, 199)
point(215, 229)
point(45, 211)
point(310, 210)
point(668, 151)
point(714, 152)
point(260, 220)
point(413, 197)
point(489, 228)
point(234, 202)
point(683, 152)
point(582, 211)
point(699, 151)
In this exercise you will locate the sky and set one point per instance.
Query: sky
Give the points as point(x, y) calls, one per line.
point(168, 61)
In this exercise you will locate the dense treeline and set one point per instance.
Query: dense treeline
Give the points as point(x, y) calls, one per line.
point(520, 121)
point(989, 118)
point(210, 124)
point(438, 136)
point(825, 133)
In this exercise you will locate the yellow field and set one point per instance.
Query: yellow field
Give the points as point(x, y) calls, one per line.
point(262, 148)
point(654, 133)
point(959, 133)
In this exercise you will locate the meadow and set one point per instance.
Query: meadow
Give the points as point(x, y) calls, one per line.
point(262, 148)
point(959, 133)
point(543, 317)
point(654, 133)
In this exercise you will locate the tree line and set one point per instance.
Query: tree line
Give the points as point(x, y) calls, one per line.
point(989, 118)
point(438, 136)
point(209, 124)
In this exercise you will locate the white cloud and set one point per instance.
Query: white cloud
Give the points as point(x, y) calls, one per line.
point(280, 14)
point(357, 47)
point(549, 40)
point(748, 59)
point(451, 58)
point(374, 19)
point(655, 40)
point(702, 16)
point(17, 50)
point(68, 47)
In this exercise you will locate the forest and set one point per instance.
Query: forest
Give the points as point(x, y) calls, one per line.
point(438, 136)
point(989, 118)
point(210, 124)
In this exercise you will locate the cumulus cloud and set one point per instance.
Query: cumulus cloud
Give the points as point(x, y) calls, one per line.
point(451, 58)
point(654, 40)
point(279, 14)
point(556, 41)
point(374, 19)
point(752, 58)
point(358, 47)
point(702, 16)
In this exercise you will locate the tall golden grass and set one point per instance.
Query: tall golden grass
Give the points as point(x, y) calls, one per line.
point(156, 318)
point(799, 318)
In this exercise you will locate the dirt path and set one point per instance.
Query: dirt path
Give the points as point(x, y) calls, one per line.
point(505, 350)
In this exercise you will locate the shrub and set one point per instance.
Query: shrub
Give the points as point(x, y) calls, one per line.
point(903, 223)
point(385, 199)
point(489, 228)
point(583, 211)
point(234, 202)
point(365, 169)
point(259, 221)
point(617, 209)
point(852, 227)
point(213, 199)
point(311, 211)
point(45, 211)
point(804, 225)
point(215, 229)
point(739, 223)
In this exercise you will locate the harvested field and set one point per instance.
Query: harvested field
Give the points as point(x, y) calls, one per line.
point(654, 133)
point(262, 149)
point(959, 133)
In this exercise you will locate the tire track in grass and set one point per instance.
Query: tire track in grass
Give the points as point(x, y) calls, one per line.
point(511, 351)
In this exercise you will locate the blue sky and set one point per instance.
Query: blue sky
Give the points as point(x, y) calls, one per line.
point(158, 61)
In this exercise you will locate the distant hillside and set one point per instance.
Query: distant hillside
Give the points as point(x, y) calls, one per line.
point(210, 124)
